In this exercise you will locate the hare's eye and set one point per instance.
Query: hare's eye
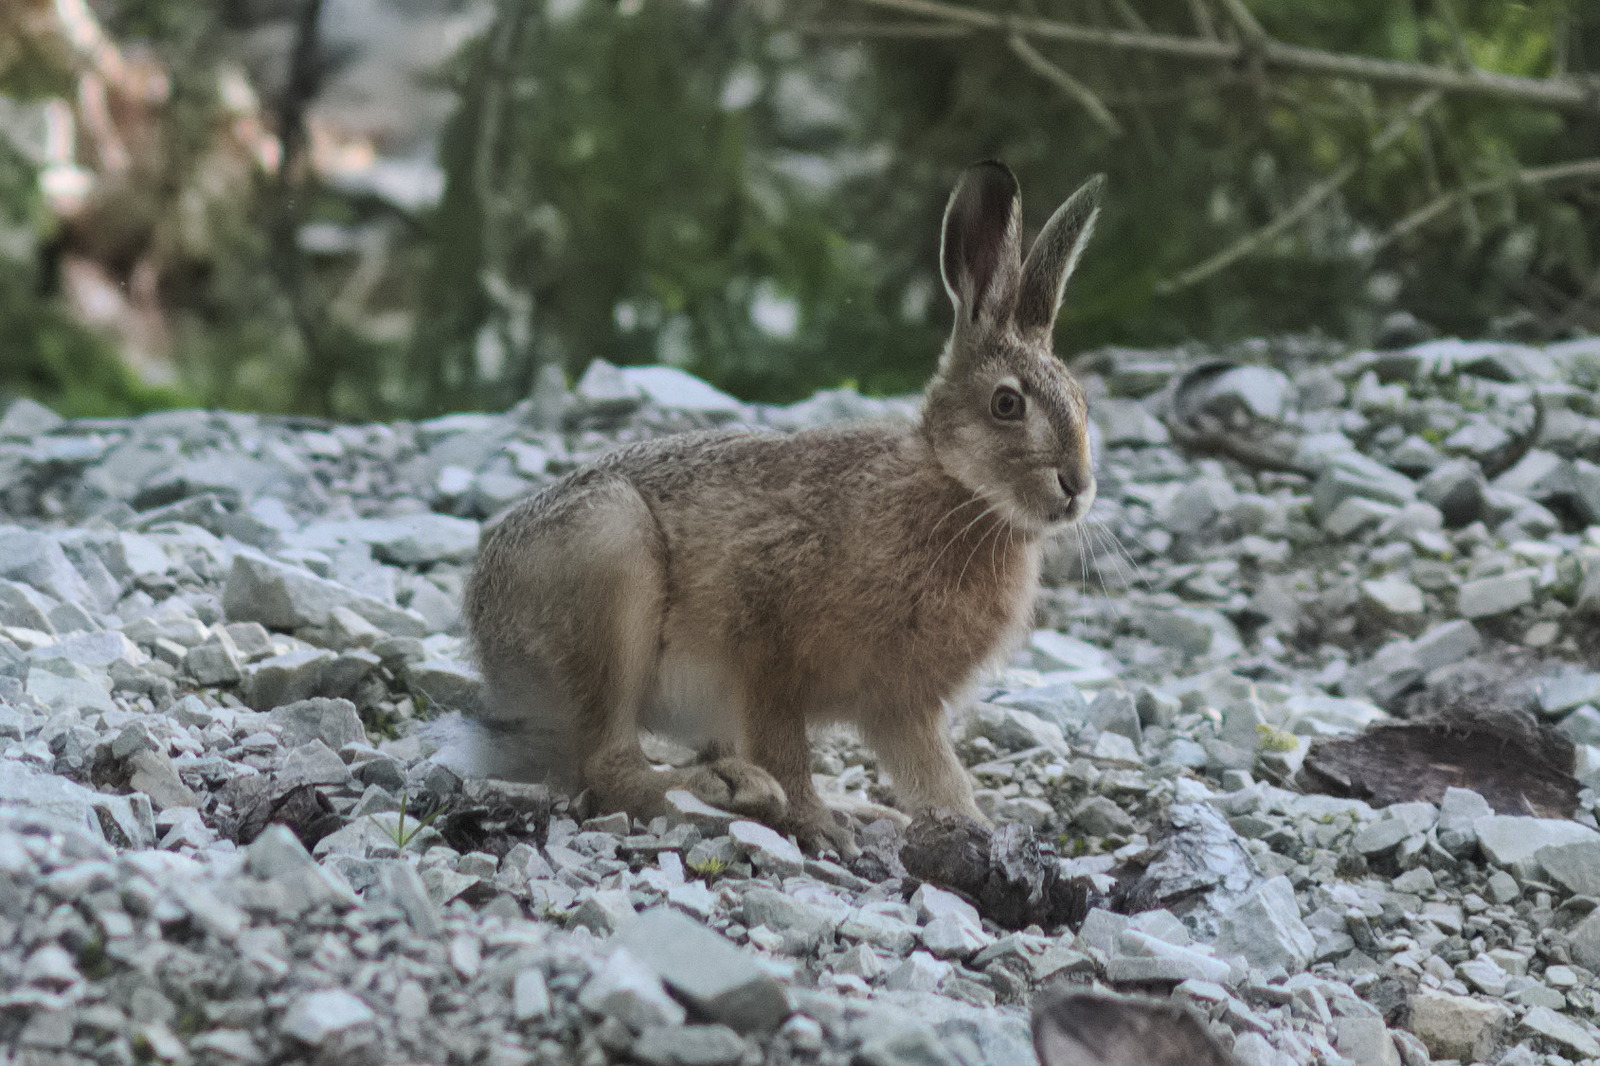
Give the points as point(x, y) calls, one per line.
point(1007, 404)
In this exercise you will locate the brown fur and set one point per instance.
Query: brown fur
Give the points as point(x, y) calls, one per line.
point(741, 586)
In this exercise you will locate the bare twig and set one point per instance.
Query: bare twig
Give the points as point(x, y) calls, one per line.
point(291, 190)
point(1070, 87)
point(1563, 93)
point(1202, 19)
point(1458, 36)
point(910, 31)
point(1245, 21)
point(1306, 204)
point(1582, 168)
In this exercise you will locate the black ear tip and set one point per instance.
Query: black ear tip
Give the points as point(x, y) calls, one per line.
point(990, 175)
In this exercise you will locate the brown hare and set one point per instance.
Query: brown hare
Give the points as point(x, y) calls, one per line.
point(1072, 1027)
point(735, 587)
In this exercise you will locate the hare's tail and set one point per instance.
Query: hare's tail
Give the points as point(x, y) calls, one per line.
point(513, 735)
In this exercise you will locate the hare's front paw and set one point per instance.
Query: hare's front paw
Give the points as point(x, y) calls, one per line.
point(820, 829)
point(738, 786)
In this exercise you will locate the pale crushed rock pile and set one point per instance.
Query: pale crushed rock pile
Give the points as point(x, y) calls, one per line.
point(213, 622)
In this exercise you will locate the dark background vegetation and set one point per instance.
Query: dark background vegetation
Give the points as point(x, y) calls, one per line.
point(751, 190)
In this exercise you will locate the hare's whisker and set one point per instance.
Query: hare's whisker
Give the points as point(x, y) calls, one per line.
point(987, 534)
point(964, 503)
point(1137, 571)
point(959, 534)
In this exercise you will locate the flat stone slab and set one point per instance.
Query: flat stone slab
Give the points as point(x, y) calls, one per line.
point(720, 981)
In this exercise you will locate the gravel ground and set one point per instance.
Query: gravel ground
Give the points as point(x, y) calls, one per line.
point(224, 839)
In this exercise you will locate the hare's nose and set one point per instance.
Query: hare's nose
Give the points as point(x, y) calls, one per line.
point(1072, 485)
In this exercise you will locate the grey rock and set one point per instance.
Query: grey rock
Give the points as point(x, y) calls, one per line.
point(530, 995)
point(1560, 694)
point(25, 418)
point(152, 773)
point(1393, 599)
point(278, 857)
point(1262, 391)
point(605, 912)
point(23, 605)
point(1265, 927)
point(289, 678)
point(952, 936)
point(1365, 1042)
point(1141, 957)
point(399, 883)
point(1587, 601)
point(919, 972)
point(629, 991)
point(872, 925)
point(1061, 704)
point(36, 559)
point(1457, 1027)
point(933, 903)
point(1115, 710)
point(1127, 424)
point(1563, 1030)
point(769, 852)
point(1457, 488)
point(409, 540)
point(1575, 867)
point(667, 386)
point(1100, 816)
point(1352, 475)
point(717, 979)
point(1500, 594)
point(216, 662)
point(285, 597)
point(1584, 941)
point(685, 808)
point(332, 721)
point(904, 1047)
point(316, 1017)
point(313, 763)
point(688, 1045)
point(603, 389)
point(1446, 644)
point(124, 821)
point(1582, 725)
point(1395, 668)
point(1013, 730)
point(802, 926)
point(1356, 514)
point(449, 683)
point(1508, 839)
point(1195, 632)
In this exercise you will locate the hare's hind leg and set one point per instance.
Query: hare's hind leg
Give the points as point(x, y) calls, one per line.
point(605, 576)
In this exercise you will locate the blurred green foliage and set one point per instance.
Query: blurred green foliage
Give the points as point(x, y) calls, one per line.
point(745, 189)
point(44, 351)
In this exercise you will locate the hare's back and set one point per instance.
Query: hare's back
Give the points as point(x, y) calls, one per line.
point(749, 472)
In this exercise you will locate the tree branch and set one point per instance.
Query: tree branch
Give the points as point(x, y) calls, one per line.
point(1562, 93)
point(1306, 204)
point(1582, 168)
point(1071, 87)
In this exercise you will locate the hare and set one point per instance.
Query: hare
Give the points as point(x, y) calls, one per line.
point(1079, 1028)
point(739, 586)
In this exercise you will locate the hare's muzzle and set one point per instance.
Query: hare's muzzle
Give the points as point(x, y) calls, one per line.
point(1077, 491)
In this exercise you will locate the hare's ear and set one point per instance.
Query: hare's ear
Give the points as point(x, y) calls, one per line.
point(1054, 255)
point(980, 253)
point(1096, 1029)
